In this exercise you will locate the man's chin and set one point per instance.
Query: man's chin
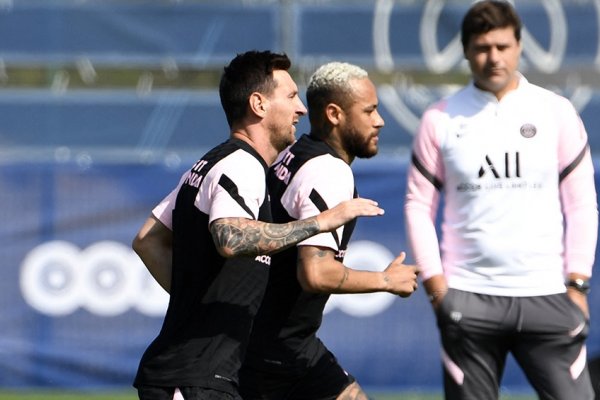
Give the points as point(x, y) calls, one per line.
point(495, 83)
point(283, 144)
point(291, 141)
point(368, 154)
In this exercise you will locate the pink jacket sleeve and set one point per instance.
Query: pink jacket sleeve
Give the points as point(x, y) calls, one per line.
point(578, 197)
point(425, 179)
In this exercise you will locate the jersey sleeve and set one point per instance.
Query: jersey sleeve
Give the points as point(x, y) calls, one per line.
point(236, 187)
point(311, 188)
point(578, 194)
point(425, 181)
point(164, 210)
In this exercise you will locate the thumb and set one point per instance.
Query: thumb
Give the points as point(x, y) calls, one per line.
point(401, 257)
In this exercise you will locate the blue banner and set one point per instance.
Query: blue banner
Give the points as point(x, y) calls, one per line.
point(79, 308)
point(82, 168)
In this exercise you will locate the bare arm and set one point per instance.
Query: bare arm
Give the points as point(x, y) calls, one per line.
point(240, 236)
point(436, 288)
point(244, 237)
point(319, 271)
point(153, 244)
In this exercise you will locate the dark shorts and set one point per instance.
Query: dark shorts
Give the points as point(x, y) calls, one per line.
point(189, 393)
point(545, 334)
point(323, 381)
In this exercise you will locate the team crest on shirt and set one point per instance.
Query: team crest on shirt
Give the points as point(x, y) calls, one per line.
point(528, 130)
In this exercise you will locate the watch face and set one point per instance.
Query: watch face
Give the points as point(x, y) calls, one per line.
point(580, 284)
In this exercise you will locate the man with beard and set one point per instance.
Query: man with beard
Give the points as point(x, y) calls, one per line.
point(285, 358)
point(217, 226)
point(509, 273)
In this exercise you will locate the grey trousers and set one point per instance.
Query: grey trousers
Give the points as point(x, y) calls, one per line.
point(545, 334)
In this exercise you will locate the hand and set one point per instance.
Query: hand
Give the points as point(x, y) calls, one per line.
point(580, 300)
point(346, 211)
point(401, 278)
point(436, 288)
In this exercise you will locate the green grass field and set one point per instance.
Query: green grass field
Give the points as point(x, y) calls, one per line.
point(131, 395)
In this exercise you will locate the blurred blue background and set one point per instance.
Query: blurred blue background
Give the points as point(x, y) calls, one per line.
point(103, 104)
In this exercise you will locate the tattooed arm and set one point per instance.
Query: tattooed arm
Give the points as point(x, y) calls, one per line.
point(239, 236)
point(245, 237)
point(319, 271)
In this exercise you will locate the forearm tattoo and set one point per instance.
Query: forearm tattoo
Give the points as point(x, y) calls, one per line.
point(245, 237)
point(386, 278)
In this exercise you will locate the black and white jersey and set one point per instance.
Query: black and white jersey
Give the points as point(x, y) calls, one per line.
point(213, 300)
point(307, 178)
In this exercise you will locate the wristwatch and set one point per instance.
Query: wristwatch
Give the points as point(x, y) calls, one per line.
point(581, 285)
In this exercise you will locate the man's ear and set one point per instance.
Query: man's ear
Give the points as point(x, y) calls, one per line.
point(334, 113)
point(258, 104)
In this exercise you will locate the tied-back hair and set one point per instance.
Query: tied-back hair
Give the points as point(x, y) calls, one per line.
point(247, 73)
point(330, 83)
point(488, 15)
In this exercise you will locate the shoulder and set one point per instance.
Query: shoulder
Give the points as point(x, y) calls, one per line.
point(324, 173)
point(327, 166)
point(543, 97)
point(241, 167)
point(456, 99)
point(240, 159)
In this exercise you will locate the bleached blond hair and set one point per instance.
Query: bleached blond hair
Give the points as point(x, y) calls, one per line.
point(330, 83)
point(335, 74)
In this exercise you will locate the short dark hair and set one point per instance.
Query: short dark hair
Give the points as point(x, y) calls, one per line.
point(247, 73)
point(488, 15)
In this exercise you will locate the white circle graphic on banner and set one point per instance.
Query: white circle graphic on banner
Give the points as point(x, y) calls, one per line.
point(107, 279)
point(110, 280)
point(50, 278)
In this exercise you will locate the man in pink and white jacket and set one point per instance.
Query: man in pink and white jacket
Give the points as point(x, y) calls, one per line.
point(510, 272)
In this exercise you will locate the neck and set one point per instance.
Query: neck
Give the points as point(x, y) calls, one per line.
point(500, 93)
point(258, 143)
point(335, 143)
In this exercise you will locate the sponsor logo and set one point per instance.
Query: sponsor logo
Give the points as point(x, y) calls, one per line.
point(505, 172)
point(263, 259)
point(194, 177)
point(281, 170)
point(509, 168)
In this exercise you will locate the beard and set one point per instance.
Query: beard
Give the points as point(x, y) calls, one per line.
point(357, 145)
point(281, 138)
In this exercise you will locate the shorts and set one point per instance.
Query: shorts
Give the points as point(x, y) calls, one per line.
point(186, 392)
point(325, 380)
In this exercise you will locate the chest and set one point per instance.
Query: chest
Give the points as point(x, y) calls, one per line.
point(499, 143)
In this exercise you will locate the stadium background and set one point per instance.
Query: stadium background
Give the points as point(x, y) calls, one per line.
point(103, 104)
